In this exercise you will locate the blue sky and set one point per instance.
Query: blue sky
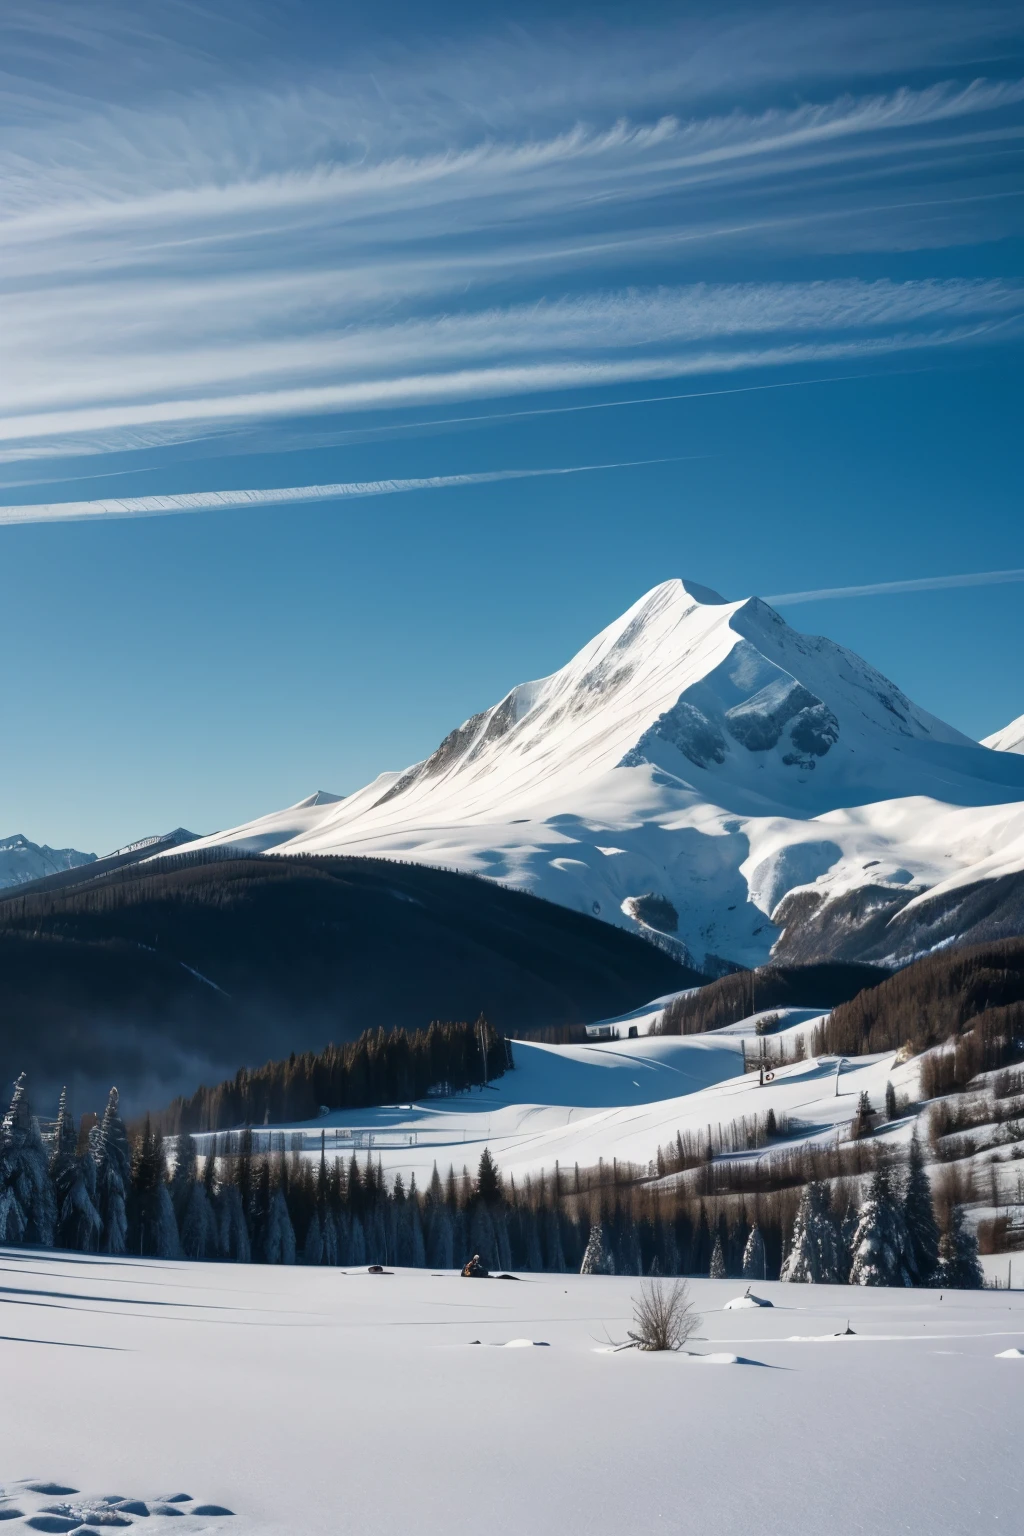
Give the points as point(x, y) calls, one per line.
point(766, 261)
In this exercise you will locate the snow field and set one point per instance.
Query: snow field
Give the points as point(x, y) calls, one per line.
point(618, 1099)
point(312, 1401)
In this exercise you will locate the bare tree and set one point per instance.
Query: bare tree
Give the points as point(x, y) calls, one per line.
point(663, 1318)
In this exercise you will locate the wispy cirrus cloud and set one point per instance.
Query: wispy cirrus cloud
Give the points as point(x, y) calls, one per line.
point(103, 508)
point(603, 339)
point(385, 234)
point(893, 588)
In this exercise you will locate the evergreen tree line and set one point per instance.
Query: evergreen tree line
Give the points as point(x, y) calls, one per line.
point(381, 1067)
point(741, 993)
point(977, 990)
point(114, 1194)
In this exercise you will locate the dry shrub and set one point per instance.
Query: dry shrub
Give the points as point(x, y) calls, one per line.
point(663, 1318)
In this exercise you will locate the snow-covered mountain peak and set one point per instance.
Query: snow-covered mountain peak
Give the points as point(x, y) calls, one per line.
point(1009, 739)
point(691, 767)
point(318, 797)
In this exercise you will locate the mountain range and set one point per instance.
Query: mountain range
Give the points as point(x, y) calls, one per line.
point(22, 861)
point(705, 775)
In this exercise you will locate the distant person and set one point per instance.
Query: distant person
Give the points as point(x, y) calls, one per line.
point(474, 1270)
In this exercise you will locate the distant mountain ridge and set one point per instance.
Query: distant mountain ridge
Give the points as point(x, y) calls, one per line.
point(709, 777)
point(91, 868)
point(22, 861)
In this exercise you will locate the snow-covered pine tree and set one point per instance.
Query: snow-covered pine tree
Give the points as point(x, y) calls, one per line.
point(922, 1228)
point(959, 1267)
point(890, 1100)
point(597, 1260)
point(28, 1209)
point(717, 1260)
point(65, 1137)
point(816, 1252)
point(78, 1222)
point(881, 1243)
point(755, 1264)
point(113, 1177)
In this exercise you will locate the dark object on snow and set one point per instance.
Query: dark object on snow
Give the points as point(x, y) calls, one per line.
point(378, 1269)
point(474, 1270)
point(508, 1277)
point(845, 1332)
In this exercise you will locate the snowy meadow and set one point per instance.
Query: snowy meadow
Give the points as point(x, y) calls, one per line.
point(319, 1400)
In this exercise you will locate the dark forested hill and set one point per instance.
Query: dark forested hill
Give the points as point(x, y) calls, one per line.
point(158, 976)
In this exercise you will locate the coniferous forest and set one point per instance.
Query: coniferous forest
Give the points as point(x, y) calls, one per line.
point(854, 1210)
point(246, 1199)
point(190, 967)
point(381, 1067)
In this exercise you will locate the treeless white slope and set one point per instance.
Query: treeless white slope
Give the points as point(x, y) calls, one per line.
point(539, 1114)
point(676, 746)
point(1009, 739)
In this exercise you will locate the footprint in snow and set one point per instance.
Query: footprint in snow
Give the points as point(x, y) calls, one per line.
point(57, 1507)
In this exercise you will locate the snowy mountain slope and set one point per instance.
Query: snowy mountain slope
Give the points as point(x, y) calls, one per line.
point(620, 1099)
point(695, 764)
point(1009, 739)
point(21, 861)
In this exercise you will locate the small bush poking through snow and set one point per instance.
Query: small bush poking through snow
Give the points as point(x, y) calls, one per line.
point(663, 1317)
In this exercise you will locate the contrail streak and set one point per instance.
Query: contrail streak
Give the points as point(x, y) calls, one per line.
point(919, 584)
point(210, 501)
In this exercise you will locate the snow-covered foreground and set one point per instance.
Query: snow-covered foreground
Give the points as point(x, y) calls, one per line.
point(617, 1099)
point(310, 1401)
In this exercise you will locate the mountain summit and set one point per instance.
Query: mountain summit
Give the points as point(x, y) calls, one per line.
point(695, 764)
point(1009, 739)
